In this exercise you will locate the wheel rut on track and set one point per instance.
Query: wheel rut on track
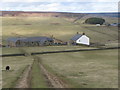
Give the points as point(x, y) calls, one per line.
point(54, 81)
point(24, 80)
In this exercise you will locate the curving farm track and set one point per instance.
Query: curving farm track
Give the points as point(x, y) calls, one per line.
point(25, 80)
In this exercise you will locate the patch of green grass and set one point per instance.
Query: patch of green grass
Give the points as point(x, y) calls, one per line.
point(38, 80)
point(92, 69)
point(17, 65)
point(11, 50)
point(41, 49)
point(67, 81)
point(54, 48)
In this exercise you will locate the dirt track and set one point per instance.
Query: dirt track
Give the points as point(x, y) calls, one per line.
point(23, 82)
point(52, 80)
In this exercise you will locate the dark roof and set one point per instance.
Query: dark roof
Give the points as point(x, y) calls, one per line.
point(14, 39)
point(76, 37)
point(30, 39)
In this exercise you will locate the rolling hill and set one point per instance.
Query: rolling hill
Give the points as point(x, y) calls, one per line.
point(48, 14)
point(60, 25)
point(78, 69)
point(55, 14)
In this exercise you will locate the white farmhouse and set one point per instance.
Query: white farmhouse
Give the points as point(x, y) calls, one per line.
point(80, 39)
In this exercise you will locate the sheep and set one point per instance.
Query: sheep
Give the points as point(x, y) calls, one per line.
point(7, 68)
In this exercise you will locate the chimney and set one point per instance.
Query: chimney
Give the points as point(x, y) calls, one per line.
point(83, 33)
point(52, 36)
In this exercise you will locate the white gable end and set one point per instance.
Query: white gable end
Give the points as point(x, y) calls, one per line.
point(83, 40)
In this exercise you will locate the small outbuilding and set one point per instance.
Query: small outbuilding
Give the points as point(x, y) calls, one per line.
point(115, 24)
point(80, 39)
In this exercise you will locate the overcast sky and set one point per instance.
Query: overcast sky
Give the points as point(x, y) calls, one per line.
point(77, 6)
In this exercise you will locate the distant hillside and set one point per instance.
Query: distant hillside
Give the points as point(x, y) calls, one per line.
point(49, 14)
point(107, 14)
point(55, 14)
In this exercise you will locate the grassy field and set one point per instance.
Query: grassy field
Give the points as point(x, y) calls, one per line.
point(93, 69)
point(37, 78)
point(11, 50)
point(90, 69)
point(64, 29)
point(41, 49)
point(17, 66)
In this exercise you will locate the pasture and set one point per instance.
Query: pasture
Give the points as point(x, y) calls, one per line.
point(63, 30)
point(18, 50)
point(94, 69)
point(89, 69)
point(17, 66)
